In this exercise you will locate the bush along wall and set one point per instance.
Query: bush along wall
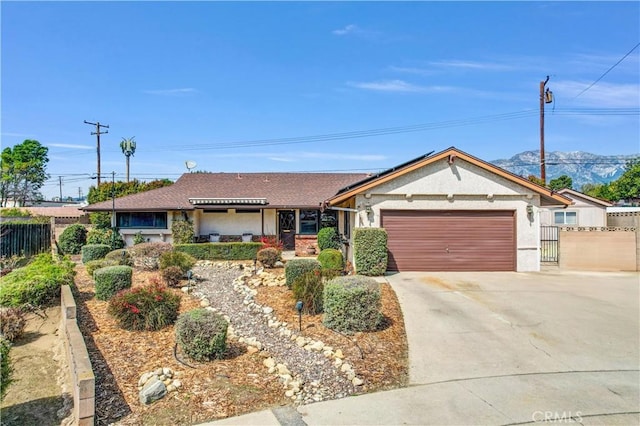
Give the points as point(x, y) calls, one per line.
point(370, 251)
point(352, 304)
point(220, 251)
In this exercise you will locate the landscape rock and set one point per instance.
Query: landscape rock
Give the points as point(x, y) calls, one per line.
point(152, 391)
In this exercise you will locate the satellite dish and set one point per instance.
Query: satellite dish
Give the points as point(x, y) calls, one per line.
point(190, 164)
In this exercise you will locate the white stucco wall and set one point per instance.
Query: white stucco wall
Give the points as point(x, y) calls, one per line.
point(462, 186)
point(588, 214)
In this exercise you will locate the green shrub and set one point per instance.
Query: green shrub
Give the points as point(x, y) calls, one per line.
point(112, 279)
point(36, 284)
point(202, 334)
point(370, 251)
point(6, 367)
point(120, 256)
point(146, 255)
point(172, 275)
point(329, 238)
point(93, 265)
point(105, 236)
point(94, 252)
point(138, 238)
point(73, 238)
point(221, 251)
point(298, 267)
point(150, 307)
point(268, 256)
point(307, 288)
point(100, 220)
point(351, 304)
point(182, 260)
point(12, 322)
point(331, 259)
point(182, 231)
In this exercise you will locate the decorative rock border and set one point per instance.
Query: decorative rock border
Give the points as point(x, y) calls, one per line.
point(292, 384)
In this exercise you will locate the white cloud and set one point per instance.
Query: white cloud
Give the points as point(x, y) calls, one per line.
point(69, 145)
point(601, 95)
point(399, 86)
point(349, 29)
point(473, 65)
point(171, 92)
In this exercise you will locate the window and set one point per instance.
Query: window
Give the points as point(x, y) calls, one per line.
point(309, 221)
point(565, 218)
point(142, 220)
point(347, 225)
point(329, 219)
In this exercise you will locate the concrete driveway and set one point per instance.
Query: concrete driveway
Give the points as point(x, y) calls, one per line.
point(529, 345)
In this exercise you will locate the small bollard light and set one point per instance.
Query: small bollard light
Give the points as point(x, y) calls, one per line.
point(299, 306)
point(189, 278)
point(255, 265)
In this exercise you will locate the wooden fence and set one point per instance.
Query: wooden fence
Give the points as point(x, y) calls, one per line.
point(24, 239)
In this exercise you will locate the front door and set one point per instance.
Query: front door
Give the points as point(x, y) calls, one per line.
point(287, 229)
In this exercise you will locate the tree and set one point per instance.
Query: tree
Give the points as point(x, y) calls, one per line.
point(128, 147)
point(23, 171)
point(603, 191)
point(561, 182)
point(627, 186)
point(535, 179)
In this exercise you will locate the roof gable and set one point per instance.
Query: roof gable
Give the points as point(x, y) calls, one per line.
point(450, 155)
point(573, 194)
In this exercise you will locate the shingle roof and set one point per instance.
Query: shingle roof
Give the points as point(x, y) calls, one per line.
point(65, 211)
point(283, 190)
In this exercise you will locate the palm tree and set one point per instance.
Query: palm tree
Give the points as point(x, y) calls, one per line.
point(128, 147)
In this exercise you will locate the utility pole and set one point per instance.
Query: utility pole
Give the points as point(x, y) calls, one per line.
point(60, 181)
point(546, 97)
point(98, 133)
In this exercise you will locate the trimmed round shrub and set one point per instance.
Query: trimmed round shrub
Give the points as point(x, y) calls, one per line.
point(12, 322)
point(37, 284)
point(72, 239)
point(331, 259)
point(202, 334)
point(172, 276)
point(150, 307)
point(307, 288)
point(370, 251)
point(268, 256)
point(93, 265)
point(94, 252)
point(182, 260)
point(6, 366)
point(298, 267)
point(328, 238)
point(120, 256)
point(112, 279)
point(105, 236)
point(351, 304)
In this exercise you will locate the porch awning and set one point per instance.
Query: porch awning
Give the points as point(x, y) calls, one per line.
point(228, 201)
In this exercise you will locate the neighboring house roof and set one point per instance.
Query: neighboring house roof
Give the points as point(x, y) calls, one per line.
point(66, 211)
point(577, 194)
point(200, 190)
point(449, 154)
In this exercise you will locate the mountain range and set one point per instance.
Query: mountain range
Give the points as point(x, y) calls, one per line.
point(582, 167)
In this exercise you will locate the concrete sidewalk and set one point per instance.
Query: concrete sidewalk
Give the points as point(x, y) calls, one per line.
point(602, 398)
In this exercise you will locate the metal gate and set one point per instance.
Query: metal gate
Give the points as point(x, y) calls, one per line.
point(549, 244)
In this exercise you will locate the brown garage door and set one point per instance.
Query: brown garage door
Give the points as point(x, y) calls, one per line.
point(421, 240)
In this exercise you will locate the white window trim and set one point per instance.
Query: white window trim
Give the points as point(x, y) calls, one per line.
point(564, 217)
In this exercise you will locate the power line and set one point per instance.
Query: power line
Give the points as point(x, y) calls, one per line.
point(607, 71)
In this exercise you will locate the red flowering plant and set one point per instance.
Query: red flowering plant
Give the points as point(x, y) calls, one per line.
point(150, 307)
point(271, 241)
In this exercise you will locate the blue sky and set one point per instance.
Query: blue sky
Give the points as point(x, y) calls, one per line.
point(250, 86)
